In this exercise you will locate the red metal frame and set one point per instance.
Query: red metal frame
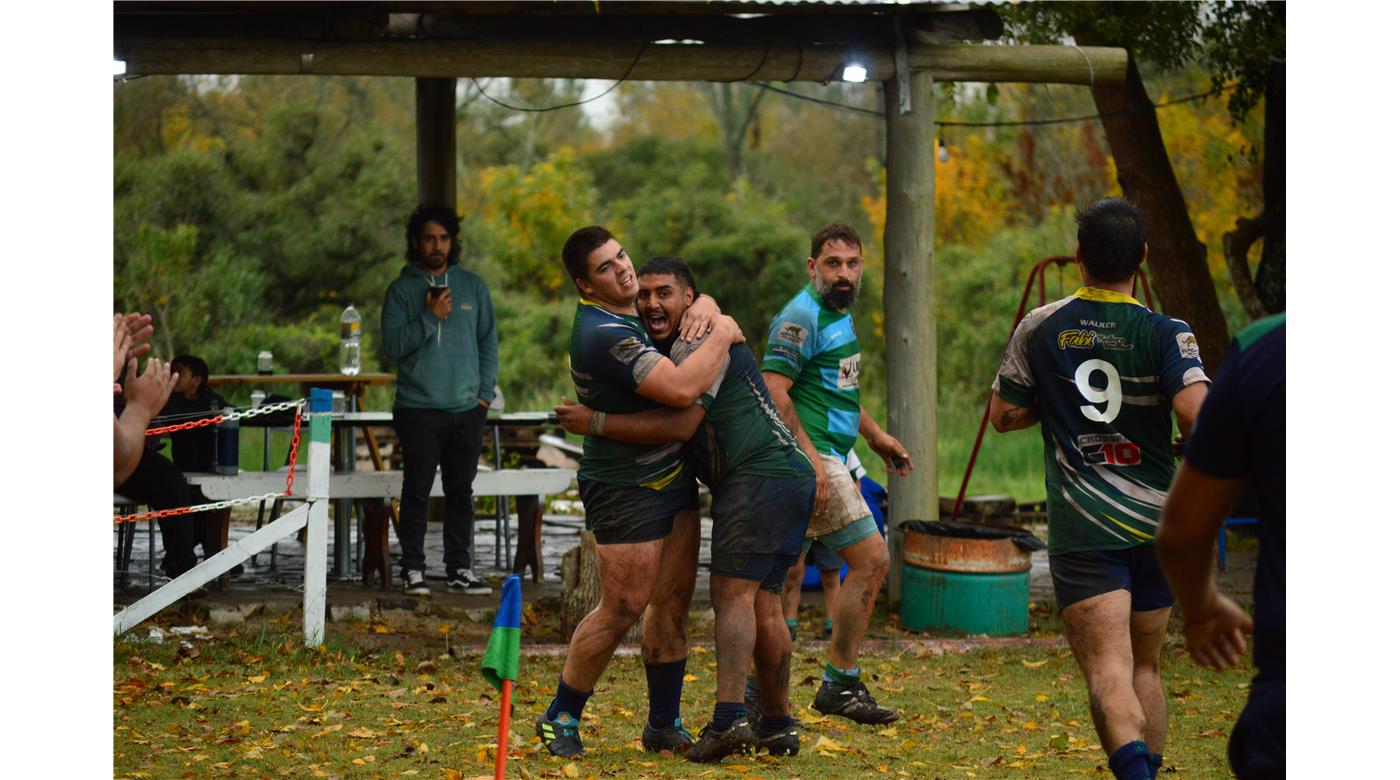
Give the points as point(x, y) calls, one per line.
point(1037, 274)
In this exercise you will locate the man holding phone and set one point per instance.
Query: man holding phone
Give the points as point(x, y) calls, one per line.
point(811, 365)
point(439, 329)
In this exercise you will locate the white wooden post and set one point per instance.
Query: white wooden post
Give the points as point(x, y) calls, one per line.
point(318, 491)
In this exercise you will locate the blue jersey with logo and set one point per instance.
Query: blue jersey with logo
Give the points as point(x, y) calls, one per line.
point(816, 347)
point(1103, 369)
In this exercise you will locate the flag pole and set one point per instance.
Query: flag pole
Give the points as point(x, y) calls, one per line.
point(503, 730)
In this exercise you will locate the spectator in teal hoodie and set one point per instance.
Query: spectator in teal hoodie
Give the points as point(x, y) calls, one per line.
point(438, 326)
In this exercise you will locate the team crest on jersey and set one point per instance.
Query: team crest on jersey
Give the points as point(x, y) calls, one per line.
point(793, 334)
point(1108, 449)
point(1082, 338)
point(1186, 342)
point(849, 374)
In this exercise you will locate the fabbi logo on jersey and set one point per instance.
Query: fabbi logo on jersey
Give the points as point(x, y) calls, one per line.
point(1076, 339)
point(1108, 449)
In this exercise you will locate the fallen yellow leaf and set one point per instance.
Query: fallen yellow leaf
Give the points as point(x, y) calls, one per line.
point(1035, 664)
point(570, 770)
point(257, 678)
point(826, 743)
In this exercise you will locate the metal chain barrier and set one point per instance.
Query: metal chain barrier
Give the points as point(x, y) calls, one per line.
point(291, 463)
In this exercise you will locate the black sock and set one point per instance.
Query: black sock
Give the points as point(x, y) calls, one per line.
point(664, 683)
point(1154, 764)
point(568, 700)
point(1129, 762)
point(726, 713)
point(775, 724)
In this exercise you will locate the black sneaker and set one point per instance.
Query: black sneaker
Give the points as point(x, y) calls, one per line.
point(715, 745)
point(753, 695)
point(779, 743)
point(414, 584)
point(852, 701)
point(464, 581)
point(675, 739)
point(560, 735)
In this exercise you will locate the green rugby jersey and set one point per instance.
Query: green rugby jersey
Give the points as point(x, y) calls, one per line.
point(1104, 369)
point(815, 346)
point(742, 433)
point(609, 355)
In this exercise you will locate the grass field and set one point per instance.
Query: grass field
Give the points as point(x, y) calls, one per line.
point(387, 700)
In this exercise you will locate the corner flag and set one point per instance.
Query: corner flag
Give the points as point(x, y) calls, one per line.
point(501, 661)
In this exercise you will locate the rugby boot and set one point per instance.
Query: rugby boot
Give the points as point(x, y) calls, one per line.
point(675, 739)
point(712, 746)
point(852, 701)
point(560, 735)
point(779, 743)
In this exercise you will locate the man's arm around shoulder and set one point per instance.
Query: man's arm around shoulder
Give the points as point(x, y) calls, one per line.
point(680, 386)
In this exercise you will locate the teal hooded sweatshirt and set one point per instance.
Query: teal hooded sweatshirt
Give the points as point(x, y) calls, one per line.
point(448, 364)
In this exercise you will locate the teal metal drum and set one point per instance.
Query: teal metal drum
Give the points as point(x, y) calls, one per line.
point(966, 578)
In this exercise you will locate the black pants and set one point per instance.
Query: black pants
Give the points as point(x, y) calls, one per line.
point(157, 482)
point(428, 439)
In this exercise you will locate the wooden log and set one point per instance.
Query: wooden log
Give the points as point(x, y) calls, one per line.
point(582, 589)
point(910, 338)
point(657, 62)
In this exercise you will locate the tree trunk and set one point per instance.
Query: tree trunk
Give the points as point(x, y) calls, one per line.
point(1236, 244)
point(1176, 258)
point(1268, 280)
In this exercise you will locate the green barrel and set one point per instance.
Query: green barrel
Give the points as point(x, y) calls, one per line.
point(992, 604)
point(965, 578)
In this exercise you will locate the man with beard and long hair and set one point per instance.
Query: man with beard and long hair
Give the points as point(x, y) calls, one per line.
point(439, 329)
point(812, 368)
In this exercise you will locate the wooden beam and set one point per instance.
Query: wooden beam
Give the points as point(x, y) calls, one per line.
point(656, 62)
point(437, 141)
point(911, 345)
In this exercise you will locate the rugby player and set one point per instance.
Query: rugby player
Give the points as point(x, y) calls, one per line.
point(763, 488)
point(1103, 374)
point(640, 500)
point(812, 368)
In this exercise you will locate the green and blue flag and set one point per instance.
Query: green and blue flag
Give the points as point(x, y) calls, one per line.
point(502, 659)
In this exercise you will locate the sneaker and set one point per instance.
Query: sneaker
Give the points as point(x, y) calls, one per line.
point(851, 701)
point(779, 743)
point(752, 698)
point(675, 739)
point(560, 735)
point(414, 584)
point(464, 581)
point(715, 745)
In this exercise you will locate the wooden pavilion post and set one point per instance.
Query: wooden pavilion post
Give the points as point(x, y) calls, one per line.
point(437, 141)
point(911, 346)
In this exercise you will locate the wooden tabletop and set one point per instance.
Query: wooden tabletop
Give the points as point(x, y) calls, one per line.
point(302, 379)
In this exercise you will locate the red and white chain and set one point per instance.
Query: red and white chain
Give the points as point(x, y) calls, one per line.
point(221, 417)
point(291, 463)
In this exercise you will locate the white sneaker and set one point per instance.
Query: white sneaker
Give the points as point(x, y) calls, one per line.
point(414, 584)
point(465, 581)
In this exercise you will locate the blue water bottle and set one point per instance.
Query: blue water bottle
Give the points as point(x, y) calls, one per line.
point(226, 456)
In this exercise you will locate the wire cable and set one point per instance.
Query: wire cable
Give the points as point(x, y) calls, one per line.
point(615, 85)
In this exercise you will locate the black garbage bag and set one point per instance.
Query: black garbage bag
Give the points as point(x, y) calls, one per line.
point(959, 530)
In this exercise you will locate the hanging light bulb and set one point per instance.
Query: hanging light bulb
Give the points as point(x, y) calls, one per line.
point(942, 151)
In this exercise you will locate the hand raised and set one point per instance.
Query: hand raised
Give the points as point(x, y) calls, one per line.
point(151, 389)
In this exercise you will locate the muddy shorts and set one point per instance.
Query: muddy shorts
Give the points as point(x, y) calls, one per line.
point(623, 514)
point(844, 504)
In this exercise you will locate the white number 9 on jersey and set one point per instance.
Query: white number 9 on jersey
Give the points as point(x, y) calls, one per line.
point(1111, 395)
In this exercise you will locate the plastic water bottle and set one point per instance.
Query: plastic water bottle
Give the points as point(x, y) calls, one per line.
point(350, 341)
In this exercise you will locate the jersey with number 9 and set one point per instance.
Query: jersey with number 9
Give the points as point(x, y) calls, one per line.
point(1103, 369)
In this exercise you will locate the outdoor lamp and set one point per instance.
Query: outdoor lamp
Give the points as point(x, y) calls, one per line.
point(853, 72)
point(942, 151)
